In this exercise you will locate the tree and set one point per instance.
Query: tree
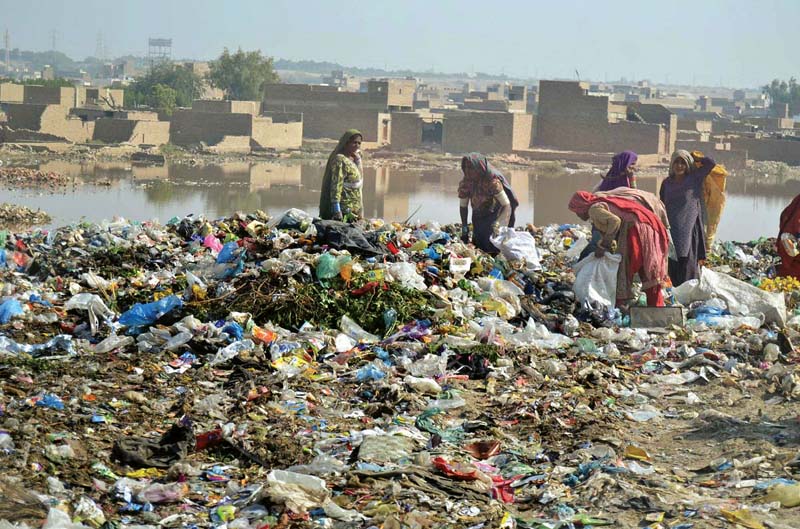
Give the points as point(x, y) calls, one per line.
point(186, 85)
point(164, 97)
point(242, 75)
point(782, 92)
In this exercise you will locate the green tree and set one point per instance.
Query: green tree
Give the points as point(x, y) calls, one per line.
point(783, 92)
point(186, 84)
point(242, 75)
point(164, 97)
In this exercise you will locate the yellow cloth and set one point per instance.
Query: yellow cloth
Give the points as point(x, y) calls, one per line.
point(713, 199)
point(605, 222)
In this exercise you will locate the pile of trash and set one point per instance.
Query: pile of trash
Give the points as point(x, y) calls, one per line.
point(21, 217)
point(254, 372)
point(24, 177)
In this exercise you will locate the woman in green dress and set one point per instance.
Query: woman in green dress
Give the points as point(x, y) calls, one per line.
point(341, 197)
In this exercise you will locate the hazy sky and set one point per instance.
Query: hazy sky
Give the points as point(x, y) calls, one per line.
point(733, 42)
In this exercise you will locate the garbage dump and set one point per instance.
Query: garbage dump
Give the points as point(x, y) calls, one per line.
point(253, 372)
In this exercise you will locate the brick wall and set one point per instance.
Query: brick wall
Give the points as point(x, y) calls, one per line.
point(315, 96)
point(406, 130)
point(21, 116)
point(523, 131)
point(132, 131)
point(236, 107)
point(787, 151)
point(644, 138)
point(485, 132)
point(190, 127)
point(569, 119)
point(332, 121)
point(269, 134)
point(49, 95)
point(721, 153)
point(12, 93)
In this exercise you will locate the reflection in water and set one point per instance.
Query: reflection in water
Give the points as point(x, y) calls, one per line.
point(117, 189)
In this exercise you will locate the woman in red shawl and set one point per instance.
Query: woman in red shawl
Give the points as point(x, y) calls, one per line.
point(788, 240)
point(632, 223)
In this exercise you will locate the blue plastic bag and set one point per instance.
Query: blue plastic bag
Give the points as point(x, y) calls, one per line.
point(142, 314)
point(228, 253)
point(8, 309)
point(369, 372)
point(234, 330)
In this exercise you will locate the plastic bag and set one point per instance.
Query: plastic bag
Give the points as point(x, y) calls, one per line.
point(292, 219)
point(8, 309)
point(518, 246)
point(596, 279)
point(141, 315)
point(93, 304)
point(300, 492)
point(228, 253)
point(327, 267)
point(354, 331)
point(57, 519)
point(742, 298)
point(406, 273)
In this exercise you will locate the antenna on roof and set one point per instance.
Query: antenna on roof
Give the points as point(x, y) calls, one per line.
point(577, 75)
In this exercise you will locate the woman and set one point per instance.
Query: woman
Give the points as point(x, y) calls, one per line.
point(632, 221)
point(682, 195)
point(788, 240)
point(493, 201)
point(622, 172)
point(341, 198)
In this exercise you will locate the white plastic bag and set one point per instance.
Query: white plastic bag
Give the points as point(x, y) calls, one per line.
point(518, 246)
point(742, 298)
point(406, 273)
point(300, 492)
point(596, 279)
point(93, 304)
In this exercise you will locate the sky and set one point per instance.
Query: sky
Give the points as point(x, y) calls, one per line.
point(733, 43)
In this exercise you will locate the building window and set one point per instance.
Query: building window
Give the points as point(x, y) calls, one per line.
point(488, 130)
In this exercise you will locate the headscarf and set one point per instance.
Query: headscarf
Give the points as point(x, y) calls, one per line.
point(617, 176)
point(686, 156)
point(487, 171)
point(652, 231)
point(343, 141)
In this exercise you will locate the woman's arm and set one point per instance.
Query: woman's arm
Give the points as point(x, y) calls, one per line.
point(505, 208)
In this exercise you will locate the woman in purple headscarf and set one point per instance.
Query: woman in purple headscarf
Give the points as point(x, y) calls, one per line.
point(622, 172)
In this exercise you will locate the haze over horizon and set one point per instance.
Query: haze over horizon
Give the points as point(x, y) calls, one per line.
point(736, 43)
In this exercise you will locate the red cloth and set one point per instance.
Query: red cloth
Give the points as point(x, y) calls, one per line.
point(790, 223)
point(655, 297)
point(652, 234)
